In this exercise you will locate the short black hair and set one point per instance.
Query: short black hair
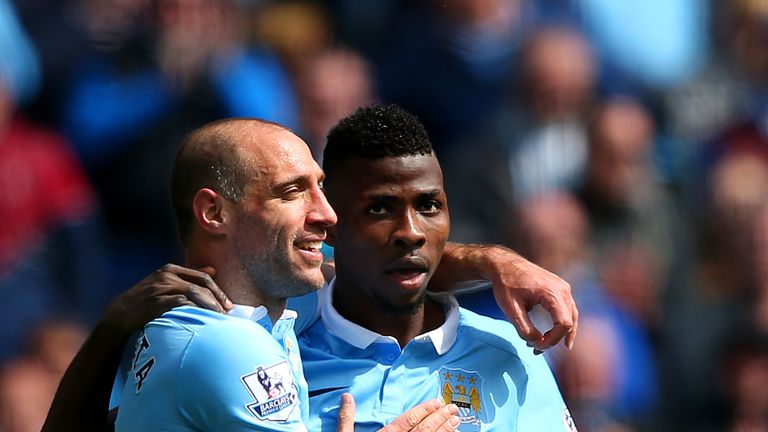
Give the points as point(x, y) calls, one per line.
point(375, 132)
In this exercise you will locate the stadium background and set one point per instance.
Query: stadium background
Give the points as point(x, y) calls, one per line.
point(621, 144)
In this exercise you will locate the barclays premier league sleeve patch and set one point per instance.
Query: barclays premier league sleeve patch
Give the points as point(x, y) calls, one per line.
point(273, 390)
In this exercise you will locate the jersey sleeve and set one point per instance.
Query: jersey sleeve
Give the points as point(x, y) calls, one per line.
point(544, 407)
point(238, 380)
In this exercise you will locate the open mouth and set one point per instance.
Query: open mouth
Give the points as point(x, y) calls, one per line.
point(409, 273)
point(310, 250)
point(310, 246)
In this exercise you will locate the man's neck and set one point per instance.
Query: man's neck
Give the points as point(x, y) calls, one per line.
point(368, 313)
point(239, 288)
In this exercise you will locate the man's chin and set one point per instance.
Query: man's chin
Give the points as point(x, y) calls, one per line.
point(308, 281)
point(405, 308)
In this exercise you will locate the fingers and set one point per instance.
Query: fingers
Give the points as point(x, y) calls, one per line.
point(430, 416)
point(442, 420)
point(198, 285)
point(564, 315)
point(346, 414)
point(518, 314)
point(551, 337)
point(571, 338)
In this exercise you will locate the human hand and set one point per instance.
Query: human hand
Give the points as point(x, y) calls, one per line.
point(430, 416)
point(162, 290)
point(519, 285)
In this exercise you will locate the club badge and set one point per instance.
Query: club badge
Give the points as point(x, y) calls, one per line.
point(463, 389)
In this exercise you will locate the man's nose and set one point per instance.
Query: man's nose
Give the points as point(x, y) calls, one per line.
point(409, 233)
point(321, 212)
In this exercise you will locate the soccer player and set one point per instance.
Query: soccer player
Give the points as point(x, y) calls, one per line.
point(422, 317)
point(380, 336)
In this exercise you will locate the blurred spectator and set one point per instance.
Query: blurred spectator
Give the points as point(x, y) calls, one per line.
point(52, 237)
point(130, 105)
point(704, 314)
point(634, 223)
point(295, 29)
point(536, 144)
point(731, 92)
point(331, 84)
point(29, 382)
point(65, 32)
point(366, 27)
point(616, 390)
point(448, 62)
point(759, 234)
point(745, 378)
point(331, 81)
point(619, 387)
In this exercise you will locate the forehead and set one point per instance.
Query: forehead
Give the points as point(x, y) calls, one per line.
point(278, 154)
point(389, 175)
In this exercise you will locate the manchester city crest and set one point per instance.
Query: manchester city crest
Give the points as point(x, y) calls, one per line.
point(463, 389)
point(273, 390)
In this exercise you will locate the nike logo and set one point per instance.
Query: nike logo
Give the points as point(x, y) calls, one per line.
point(318, 392)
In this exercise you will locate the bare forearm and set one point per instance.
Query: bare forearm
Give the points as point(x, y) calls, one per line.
point(82, 399)
point(466, 262)
point(518, 285)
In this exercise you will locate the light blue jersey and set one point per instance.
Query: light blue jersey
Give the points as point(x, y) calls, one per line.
point(479, 364)
point(195, 369)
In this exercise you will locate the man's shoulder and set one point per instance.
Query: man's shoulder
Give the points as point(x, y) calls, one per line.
point(497, 333)
point(209, 334)
point(199, 321)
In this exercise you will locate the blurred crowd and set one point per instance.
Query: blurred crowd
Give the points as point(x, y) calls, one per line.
point(620, 144)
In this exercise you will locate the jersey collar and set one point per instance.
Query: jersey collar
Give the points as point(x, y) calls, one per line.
point(260, 315)
point(442, 338)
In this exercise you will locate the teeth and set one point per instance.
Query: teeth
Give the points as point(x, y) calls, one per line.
point(310, 245)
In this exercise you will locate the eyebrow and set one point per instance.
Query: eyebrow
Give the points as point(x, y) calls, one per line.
point(432, 193)
point(302, 180)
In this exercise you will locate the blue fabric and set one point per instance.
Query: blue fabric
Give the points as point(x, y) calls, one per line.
point(106, 112)
point(660, 42)
point(516, 389)
point(254, 84)
point(194, 369)
point(19, 64)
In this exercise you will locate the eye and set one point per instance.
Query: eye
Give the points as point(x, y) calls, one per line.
point(377, 209)
point(291, 193)
point(430, 207)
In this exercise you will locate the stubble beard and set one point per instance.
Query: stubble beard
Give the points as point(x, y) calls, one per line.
point(404, 310)
point(273, 274)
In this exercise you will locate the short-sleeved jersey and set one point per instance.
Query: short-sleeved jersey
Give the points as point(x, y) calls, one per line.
point(195, 369)
point(478, 363)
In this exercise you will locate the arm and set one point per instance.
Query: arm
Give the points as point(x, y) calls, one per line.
point(82, 399)
point(518, 285)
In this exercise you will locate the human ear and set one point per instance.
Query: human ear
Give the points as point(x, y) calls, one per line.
point(208, 209)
